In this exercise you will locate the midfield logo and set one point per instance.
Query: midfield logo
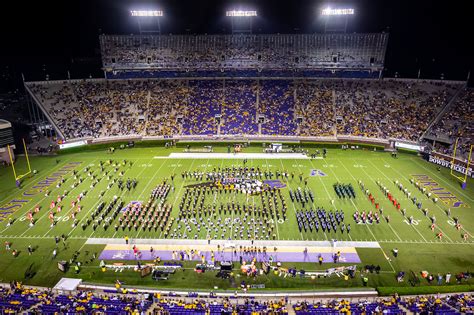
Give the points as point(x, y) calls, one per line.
point(317, 173)
point(253, 185)
point(131, 205)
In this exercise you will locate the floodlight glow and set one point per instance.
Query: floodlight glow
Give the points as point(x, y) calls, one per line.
point(329, 11)
point(241, 13)
point(142, 13)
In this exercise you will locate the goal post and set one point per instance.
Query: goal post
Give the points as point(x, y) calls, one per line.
point(463, 177)
point(15, 174)
point(11, 161)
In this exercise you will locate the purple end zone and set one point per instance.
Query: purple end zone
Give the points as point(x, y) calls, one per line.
point(226, 256)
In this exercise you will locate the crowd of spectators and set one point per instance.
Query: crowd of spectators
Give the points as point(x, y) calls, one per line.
point(205, 102)
point(389, 108)
point(400, 109)
point(239, 108)
point(455, 123)
point(277, 106)
point(385, 306)
point(451, 304)
point(424, 304)
point(19, 299)
point(218, 306)
point(249, 51)
point(16, 299)
point(314, 104)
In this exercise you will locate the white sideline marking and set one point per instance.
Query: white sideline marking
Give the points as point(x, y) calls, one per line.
point(232, 156)
point(108, 241)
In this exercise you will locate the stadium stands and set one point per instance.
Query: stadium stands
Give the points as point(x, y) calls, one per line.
point(287, 73)
point(219, 52)
point(456, 122)
point(316, 108)
point(384, 109)
point(447, 304)
point(277, 105)
point(389, 108)
point(14, 301)
point(346, 307)
point(45, 301)
point(204, 104)
point(88, 303)
point(239, 108)
point(221, 306)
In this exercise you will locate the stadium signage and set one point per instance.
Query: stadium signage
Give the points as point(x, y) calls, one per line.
point(458, 168)
point(408, 146)
point(16, 204)
point(448, 198)
point(72, 144)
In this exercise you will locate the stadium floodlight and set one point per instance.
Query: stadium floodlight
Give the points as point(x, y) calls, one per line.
point(146, 13)
point(336, 19)
point(241, 13)
point(329, 11)
point(241, 20)
point(148, 20)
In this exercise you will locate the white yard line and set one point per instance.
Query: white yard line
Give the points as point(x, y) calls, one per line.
point(389, 225)
point(123, 193)
point(85, 242)
point(148, 184)
point(383, 241)
point(31, 209)
point(329, 196)
point(46, 211)
point(299, 170)
point(353, 204)
point(274, 219)
point(33, 182)
point(355, 207)
point(67, 213)
point(441, 209)
point(391, 181)
point(182, 185)
point(93, 207)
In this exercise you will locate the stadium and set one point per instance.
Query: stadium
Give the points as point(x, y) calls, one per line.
point(237, 167)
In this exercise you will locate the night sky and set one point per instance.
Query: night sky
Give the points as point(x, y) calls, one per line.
point(431, 35)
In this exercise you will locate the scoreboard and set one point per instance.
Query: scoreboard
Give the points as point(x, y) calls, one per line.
point(6, 139)
point(6, 133)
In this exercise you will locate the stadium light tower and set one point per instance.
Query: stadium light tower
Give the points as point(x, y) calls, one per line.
point(241, 20)
point(148, 21)
point(336, 19)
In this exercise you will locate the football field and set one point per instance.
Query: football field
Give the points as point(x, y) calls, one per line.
point(375, 198)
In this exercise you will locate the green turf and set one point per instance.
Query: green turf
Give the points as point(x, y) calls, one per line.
point(419, 248)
